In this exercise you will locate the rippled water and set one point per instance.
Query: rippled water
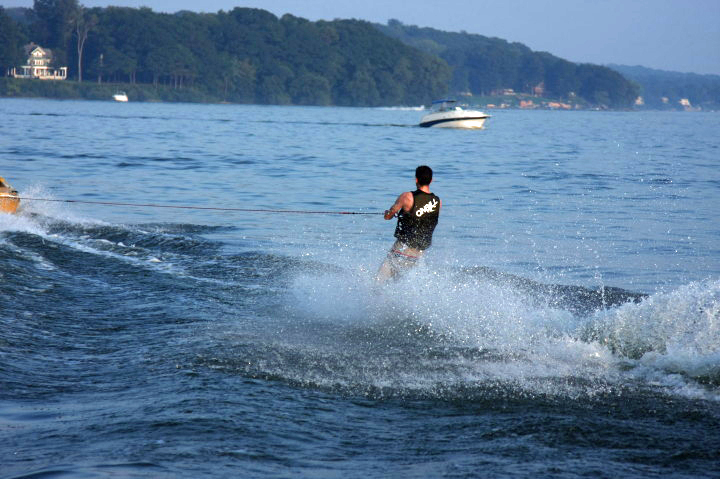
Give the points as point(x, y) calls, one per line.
point(565, 323)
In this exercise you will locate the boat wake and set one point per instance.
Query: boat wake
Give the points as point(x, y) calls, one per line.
point(438, 332)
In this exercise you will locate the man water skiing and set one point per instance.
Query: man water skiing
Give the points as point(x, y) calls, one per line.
point(418, 212)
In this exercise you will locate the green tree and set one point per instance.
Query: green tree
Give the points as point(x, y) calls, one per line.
point(53, 26)
point(561, 78)
point(11, 42)
point(271, 90)
point(361, 88)
point(310, 89)
point(156, 63)
point(84, 22)
point(115, 62)
point(531, 74)
point(238, 78)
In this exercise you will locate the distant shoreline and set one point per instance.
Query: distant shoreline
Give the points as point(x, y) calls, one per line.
point(144, 93)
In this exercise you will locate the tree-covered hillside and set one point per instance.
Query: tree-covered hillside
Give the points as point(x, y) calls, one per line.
point(251, 56)
point(12, 39)
point(666, 90)
point(482, 65)
point(244, 55)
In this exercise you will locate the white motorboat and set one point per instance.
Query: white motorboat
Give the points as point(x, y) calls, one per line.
point(120, 96)
point(445, 114)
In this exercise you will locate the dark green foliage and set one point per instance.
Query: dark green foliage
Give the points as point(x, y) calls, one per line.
point(244, 55)
point(21, 15)
point(53, 26)
point(485, 65)
point(11, 43)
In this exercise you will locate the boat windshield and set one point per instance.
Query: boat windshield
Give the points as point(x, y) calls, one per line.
point(443, 105)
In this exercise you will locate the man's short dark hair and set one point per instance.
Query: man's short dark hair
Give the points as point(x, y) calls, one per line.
point(423, 174)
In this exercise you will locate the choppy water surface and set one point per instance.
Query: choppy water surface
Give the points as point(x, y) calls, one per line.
point(565, 323)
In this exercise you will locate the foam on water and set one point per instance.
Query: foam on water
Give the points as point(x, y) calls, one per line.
point(668, 340)
point(671, 339)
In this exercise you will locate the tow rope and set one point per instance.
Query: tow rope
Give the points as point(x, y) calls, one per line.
point(185, 207)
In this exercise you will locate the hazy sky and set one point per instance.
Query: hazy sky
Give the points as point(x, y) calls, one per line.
point(677, 35)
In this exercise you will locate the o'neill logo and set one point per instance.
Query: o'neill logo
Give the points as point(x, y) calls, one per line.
point(428, 208)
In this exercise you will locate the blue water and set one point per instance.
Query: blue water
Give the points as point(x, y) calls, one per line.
point(565, 322)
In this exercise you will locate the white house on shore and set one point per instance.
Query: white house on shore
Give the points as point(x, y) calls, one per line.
point(39, 65)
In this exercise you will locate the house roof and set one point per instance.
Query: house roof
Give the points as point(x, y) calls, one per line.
point(31, 47)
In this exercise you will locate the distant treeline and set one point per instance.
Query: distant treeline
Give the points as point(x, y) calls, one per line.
point(483, 65)
point(244, 55)
point(664, 90)
point(251, 56)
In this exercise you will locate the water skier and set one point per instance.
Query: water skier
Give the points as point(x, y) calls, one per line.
point(417, 212)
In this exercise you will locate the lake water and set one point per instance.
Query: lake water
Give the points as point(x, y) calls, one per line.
point(565, 322)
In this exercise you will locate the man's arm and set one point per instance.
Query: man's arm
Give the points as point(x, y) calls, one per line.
point(404, 202)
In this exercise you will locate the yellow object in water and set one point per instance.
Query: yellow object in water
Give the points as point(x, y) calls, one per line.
point(9, 198)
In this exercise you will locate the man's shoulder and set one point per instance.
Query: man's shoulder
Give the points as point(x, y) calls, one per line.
point(407, 199)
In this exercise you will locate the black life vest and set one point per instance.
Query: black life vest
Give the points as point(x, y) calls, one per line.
point(415, 227)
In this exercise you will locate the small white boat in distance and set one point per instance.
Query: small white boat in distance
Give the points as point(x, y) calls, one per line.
point(120, 96)
point(445, 114)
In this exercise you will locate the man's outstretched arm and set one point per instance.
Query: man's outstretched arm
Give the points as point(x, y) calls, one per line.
point(403, 202)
